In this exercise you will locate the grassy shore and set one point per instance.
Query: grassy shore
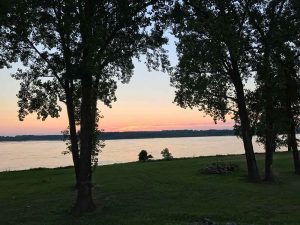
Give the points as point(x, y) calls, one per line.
point(155, 193)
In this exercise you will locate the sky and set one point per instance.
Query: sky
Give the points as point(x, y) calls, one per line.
point(145, 103)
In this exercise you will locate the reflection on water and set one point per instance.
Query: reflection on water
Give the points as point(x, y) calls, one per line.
point(33, 154)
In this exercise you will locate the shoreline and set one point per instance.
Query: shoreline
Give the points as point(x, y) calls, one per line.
point(137, 162)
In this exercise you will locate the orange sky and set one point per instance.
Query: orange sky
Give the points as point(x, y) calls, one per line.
point(116, 119)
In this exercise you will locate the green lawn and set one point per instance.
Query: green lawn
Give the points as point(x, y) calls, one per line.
point(154, 193)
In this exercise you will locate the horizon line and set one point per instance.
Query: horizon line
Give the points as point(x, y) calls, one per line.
point(138, 131)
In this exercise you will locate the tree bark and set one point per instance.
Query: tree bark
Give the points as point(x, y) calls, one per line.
point(72, 127)
point(270, 135)
point(84, 201)
point(270, 144)
point(292, 140)
point(294, 147)
point(94, 113)
point(289, 142)
point(253, 173)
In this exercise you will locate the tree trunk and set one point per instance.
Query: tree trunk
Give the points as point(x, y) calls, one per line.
point(292, 140)
point(268, 159)
point(84, 201)
point(84, 197)
point(269, 148)
point(289, 142)
point(94, 113)
point(72, 128)
point(294, 146)
point(270, 144)
point(253, 173)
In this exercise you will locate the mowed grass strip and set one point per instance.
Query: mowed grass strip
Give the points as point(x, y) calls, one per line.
point(154, 193)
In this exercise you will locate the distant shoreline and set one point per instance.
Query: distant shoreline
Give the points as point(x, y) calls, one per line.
point(127, 135)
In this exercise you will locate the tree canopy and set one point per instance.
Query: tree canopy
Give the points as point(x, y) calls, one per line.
point(214, 51)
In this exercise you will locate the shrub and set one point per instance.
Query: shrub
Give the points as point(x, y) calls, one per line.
point(166, 154)
point(143, 156)
point(220, 168)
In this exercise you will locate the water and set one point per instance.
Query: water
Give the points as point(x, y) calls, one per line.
point(33, 154)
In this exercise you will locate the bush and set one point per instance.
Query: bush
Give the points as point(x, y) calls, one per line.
point(143, 156)
point(220, 168)
point(206, 221)
point(166, 154)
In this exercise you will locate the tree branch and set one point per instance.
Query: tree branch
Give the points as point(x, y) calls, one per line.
point(47, 61)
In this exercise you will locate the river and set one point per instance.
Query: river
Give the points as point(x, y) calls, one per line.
point(34, 154)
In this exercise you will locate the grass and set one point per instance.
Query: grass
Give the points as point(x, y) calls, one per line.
point(155, 193)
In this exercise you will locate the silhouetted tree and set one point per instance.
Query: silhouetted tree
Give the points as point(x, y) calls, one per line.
point(143, 156)
point(75, 50)
point(166, 154)
point(275, 26)
point(263, 18)
point(214, 61)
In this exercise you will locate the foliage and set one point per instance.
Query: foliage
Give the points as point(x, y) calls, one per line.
point(205, 49)
point(99, 143)
point(166, 154)
point(143, 156)
point(277, 66)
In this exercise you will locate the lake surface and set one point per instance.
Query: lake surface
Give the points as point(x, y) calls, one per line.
point(33, 154)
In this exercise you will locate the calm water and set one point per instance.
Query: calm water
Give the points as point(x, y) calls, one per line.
point(33, 154)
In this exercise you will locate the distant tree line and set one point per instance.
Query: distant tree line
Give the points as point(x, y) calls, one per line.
point(128, 135)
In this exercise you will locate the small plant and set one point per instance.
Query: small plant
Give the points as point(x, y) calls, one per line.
point(143, 156)
point(206, 221)
point(166, 154)
point(220, 168)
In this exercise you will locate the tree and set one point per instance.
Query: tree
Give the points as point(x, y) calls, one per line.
point(276, 72)
point(263, 18)
point(78, 49)
point(47, 78)
point(166, 154)
point(143, 156)
point(286, 56)
point(214, 60)
point(288, 68)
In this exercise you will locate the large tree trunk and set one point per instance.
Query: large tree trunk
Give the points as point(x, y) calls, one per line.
point(270, 136)
point(84, 198)
point(269, 148)
point(84, 201)
point(268, 157)
point(253, 173)
point(289, 142)
point(294, 147)
point(94, 113)
point(72, 128)
point(292, 140)
point(270, 144)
